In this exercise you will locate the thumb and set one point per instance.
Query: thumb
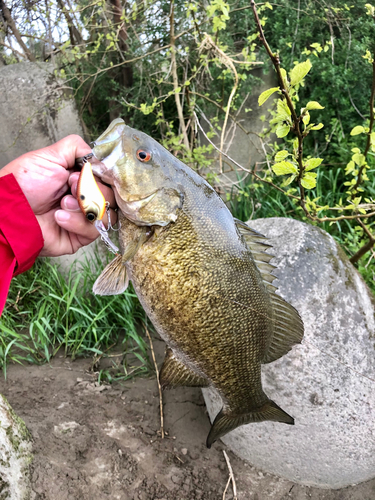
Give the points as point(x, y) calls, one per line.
point(65, 151)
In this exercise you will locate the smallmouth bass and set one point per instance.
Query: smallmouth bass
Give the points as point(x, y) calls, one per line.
point(203, 277)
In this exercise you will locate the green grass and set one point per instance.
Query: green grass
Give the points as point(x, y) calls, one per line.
point(47, 312)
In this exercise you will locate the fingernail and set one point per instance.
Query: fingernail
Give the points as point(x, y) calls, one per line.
point(62, 216)
point(71, 204)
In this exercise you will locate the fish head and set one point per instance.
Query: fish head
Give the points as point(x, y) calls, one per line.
point(143, 174)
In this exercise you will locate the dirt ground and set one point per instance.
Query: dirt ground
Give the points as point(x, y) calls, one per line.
point(101, 442)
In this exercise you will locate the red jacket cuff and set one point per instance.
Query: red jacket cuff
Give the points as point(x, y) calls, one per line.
point(19, 224)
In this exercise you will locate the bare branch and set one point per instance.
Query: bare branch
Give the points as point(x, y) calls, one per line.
point(175, 79)
point(12, 25)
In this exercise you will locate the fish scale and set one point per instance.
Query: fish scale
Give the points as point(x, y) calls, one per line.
point(203, 278)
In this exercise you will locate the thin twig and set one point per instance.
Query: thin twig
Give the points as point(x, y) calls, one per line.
point(226, 488)
point(252, 172)
point(304, 341)
point(296, 120)
point(224, 59)
point(372, 118)
point(175, 79)
point(157, 378)
point(231, 476)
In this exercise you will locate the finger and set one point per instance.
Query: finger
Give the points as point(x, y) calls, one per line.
point(66, 151)
point(75, 222)
point(70, 204)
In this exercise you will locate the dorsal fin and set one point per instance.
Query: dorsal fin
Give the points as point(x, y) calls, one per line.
point(174, 373)
point(288, 329)
point(257, 246)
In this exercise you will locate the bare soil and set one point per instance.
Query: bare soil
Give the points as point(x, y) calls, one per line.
point(102, 442)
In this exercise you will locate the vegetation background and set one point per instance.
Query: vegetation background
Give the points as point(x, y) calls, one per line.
point(182, 72)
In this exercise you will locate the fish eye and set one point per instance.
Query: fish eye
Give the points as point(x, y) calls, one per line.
point(143, 155)
point(91, 216)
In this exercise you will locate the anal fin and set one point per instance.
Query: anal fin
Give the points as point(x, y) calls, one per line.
point(226, 422)
point(175, 374)
point(113, 280)
point(288, 329)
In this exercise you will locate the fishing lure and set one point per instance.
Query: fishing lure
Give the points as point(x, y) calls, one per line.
point(92, 203)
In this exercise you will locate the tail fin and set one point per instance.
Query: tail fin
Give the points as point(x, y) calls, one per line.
point(226, 422)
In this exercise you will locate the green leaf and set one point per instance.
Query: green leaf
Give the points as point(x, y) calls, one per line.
point(359, 159)
point(317, 127)
point(306, 118)
point(312, 163)
point(283, 109)
point(284, 167)
point(299, 72)
point(266, 94)
point(281, 155)
point(283, 76)
point(288, 180)
point(282, 130)
point(357, 130)
point(350, 167)
point(313, 105)
point(309, 180)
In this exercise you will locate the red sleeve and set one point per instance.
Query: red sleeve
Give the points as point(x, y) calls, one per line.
point(21, 238)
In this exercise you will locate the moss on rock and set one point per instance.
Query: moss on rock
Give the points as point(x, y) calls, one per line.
point(15, 453)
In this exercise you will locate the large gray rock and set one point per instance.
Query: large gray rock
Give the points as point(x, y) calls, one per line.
point(36, 109)
point(328, 382)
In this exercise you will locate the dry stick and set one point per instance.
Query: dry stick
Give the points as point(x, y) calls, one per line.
point(159, 386)
point(175, 80)
point(224, 59)
point(231, 476)
point(317, 219)
point(226, 488)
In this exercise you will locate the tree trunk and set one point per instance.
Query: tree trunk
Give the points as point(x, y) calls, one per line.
point(12, 25)
point(123, 75)
point(75, 35)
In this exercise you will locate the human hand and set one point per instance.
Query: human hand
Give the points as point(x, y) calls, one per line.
point(45, 179)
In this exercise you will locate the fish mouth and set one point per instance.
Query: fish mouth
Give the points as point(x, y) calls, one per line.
point(103, 171)
point(99, 168)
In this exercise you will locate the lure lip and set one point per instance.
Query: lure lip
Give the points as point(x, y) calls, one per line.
point(90, 199)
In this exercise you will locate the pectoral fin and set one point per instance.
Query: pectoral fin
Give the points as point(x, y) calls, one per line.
point(113, 280)
point(226, 422)
point(175, 374)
